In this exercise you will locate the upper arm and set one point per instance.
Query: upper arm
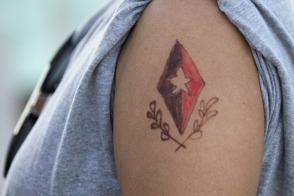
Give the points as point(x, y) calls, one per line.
point(223, 156)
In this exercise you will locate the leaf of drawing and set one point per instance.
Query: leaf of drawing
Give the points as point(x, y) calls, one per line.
point(159, 116)
point(211, 102)
point(211, 114)
point(165, 127)
point(154, 126)
point(152, 106)
point(149, 115)
point(195, 125)
point(164, 137)
point(202, 105)
point(201, 114)
point(197, 135)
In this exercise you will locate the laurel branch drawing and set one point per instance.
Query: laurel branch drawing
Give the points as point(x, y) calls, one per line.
point(205, 112)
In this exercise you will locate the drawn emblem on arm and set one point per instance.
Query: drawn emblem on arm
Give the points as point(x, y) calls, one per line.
point(180, 86)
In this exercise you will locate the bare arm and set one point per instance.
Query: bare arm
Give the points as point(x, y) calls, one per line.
point(188, 111)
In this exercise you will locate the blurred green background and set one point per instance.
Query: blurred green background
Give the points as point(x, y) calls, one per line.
point(30, 33)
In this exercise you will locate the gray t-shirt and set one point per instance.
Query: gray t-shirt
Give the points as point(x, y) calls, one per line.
point(70, 149)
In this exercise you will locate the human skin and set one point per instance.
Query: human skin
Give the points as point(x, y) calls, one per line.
point(224, 155)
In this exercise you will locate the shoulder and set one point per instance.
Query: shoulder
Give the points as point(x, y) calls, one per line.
point(193, 36)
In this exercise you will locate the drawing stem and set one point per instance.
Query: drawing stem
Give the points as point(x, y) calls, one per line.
point(190, 135)
point(181, 145)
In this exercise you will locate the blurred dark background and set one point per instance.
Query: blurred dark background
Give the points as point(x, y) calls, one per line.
point(30, 33)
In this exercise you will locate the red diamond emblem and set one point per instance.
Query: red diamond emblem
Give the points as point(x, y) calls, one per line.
point(180, 85)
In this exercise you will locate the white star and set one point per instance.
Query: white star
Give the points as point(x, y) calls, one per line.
point(180, 81)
